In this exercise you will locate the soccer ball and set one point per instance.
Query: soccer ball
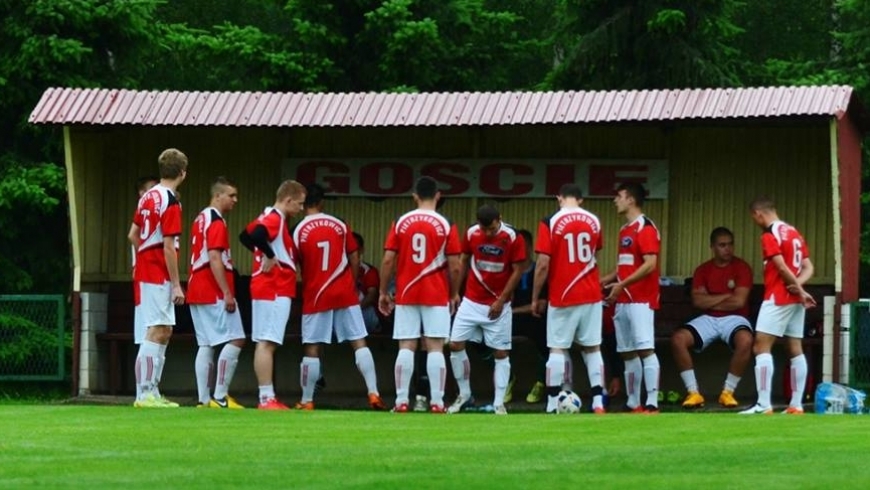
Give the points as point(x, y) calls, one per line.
point(568, 402)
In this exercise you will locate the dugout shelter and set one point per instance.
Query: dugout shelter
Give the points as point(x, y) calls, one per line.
point(703, 154)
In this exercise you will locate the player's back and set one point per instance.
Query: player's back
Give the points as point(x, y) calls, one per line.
point(209, 232)
point(782, 238)
point(158, 215)
point(574, 236)
point(422, 239)
point(323, 243)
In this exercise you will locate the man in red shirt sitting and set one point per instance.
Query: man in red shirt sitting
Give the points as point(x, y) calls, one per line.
point(721, 288)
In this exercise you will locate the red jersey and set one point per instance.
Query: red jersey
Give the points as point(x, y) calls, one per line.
point(571, 237)
point(158, 215)
point(281, 279)
point(422, 240)
point(491, 261)
point(780, 238)
point(209, 233)
point(322, 244)
point(368, 278)
point(723, 280)
point(636, 239)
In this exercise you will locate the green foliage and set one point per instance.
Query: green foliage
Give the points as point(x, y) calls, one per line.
point(25, 344)
point(637, 44)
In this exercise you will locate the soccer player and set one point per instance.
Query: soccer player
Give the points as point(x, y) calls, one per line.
point(634, 286)
point(721, 288)
point(493, 259)
point(567, 244)
point(787, 267)
point(211, 294)
point(367, 286)
point(329, 262)
point(142, 186)
point(273, 283)
point(154, 233)
point(419, 245)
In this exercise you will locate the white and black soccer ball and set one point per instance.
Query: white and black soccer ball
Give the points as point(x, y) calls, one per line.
point(568, 402)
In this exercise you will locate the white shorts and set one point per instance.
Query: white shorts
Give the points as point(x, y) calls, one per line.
point(782, 320)
point(155, 308)
point(472, 323)
point(214, 325)
point(706, 329)
point(635, 327)
point(269, 319)
point(569, 324)
point(347, 323)
point(435, 321)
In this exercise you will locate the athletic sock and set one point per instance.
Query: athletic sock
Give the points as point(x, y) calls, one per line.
point(555, 378)
point(404, 370)
point(763, 378)
point(798, 380)
point(633, 375)
point(501, 377)
point(203, 368)
point(309, 373)
point(651, 370)
point(568, 381)
point(266, 392)
point(366, 365)
point(158, 367)
point(595, 371)
point(146, 367)
point(226, 369)
point(461, 371)
point(436, 368)
point(731, 382)
point(689, 380)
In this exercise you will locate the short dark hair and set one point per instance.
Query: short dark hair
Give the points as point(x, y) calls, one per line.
point(426, 187)
point(720, 231)
point(141, 181)
point(314, 194)
point(762, 203)
point(219, 183)
point(486, 214)
point(359, 240)
point(571, 190)
point(635, 190)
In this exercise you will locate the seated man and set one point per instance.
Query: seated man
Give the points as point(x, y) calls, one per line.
point(721, 288)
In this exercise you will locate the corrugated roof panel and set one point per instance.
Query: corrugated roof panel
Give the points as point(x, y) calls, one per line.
point(113, 106)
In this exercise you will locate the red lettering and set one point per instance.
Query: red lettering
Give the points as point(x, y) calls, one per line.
point(556, 176)
point(337, 182)
point(454, 175)
point(491, 179)
point(604, 179)
point(397, 178)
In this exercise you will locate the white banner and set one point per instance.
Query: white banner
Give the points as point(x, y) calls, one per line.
point(486, 178)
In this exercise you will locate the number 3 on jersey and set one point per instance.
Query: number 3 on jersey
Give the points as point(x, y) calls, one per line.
point(579, 249)
point(418, 245)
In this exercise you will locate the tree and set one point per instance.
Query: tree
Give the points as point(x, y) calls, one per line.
point(633, 44)
point(43, 43)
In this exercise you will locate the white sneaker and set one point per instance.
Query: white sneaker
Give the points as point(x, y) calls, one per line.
point(421, 404)
point(500, 410)
point(757, 409)
point(460, 403)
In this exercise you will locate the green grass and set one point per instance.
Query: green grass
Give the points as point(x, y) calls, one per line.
point(122, 447)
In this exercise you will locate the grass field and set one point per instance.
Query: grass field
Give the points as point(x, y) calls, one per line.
point(50, 446)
